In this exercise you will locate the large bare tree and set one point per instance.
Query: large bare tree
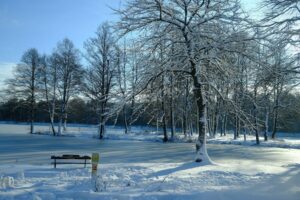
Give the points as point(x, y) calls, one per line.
point(69, 74)
point(188, 24)
point(100, 52)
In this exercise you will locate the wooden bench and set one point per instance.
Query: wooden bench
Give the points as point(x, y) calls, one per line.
point(64, 159)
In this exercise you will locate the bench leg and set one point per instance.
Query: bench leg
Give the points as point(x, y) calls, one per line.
point(55, 163)
point(84, 163)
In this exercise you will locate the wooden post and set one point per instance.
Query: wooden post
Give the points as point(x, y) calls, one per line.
point(95, 160)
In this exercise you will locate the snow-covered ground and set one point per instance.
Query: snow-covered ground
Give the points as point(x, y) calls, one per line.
point(282, 141)
point(147, 133)
point(142, 169)
point(153, 181)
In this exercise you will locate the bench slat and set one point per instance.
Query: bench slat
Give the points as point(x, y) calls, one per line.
point(75, 158)
point(68, 163)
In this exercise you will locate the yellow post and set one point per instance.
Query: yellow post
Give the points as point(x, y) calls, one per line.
point(95, 161)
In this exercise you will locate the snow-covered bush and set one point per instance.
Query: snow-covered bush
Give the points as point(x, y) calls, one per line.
point(6, 182)
point(100, 184)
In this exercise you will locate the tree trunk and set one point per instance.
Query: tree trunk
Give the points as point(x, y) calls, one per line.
point(255, 116)
point(51, 110)
point(245, 137)
point(31, 125)
point(59, 126)
point(266, 125)
point(225, 125)
point(236, 130)
point(53, 103)
point(191, 128)
point(130, 121)
point(201, 142)
point(52, 114)
point(101, 128)
point(216, 119)
point(184, 125)
point(185, 114)
point(32, 99)
point(32, 113)
point(172, 111)
point(163, 109)
point(52, 124)
point(61, 118)
point(201, 152)
point(221, 127)
point(165, 128)
point(125, 119)
point(275, 119)
point(209, 121)
point(65, 121)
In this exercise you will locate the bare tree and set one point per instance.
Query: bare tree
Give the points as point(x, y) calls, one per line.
point(282, 17)
point(102, 69)
point(49, 76)
point(282, 20)
point(25, 81)
point(189, 23)
point(280, 65)
point(69, 75)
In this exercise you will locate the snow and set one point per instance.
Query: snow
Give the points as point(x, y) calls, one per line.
point(280, 142)
point(6, 182)
point(284, 140)
point(131, 169)
point(150, 134)
point(152, 181)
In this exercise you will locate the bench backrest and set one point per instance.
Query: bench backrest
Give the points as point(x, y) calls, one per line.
point(71, 157)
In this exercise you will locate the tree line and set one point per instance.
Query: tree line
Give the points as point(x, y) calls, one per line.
point(80, 111)
point(204, 66)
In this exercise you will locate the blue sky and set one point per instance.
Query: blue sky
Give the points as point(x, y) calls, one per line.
point(42, 23)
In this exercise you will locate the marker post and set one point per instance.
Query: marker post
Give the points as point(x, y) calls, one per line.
point(95, 161)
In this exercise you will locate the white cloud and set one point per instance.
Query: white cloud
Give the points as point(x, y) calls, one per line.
point(6, 70)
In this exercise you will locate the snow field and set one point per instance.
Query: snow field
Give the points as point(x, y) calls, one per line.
point(139, 181)
point(142, 169)
point(138, 133)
